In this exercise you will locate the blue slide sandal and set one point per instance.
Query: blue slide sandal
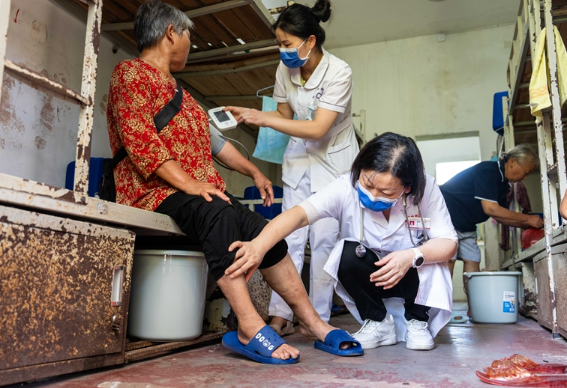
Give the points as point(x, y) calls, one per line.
point(259, 348)
point(333, 341)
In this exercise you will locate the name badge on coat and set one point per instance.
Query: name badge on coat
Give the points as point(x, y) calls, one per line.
point(415, 223)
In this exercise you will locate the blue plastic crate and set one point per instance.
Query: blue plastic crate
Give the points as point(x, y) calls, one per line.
point(270, 212)
point(95, 174)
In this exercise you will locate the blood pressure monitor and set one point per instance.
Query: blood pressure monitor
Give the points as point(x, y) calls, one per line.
point(224, 121)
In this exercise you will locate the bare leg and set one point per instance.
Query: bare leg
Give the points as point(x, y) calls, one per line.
point(281, 322)
point(284, 279)
point(249, 322)
point(451, 264)
point(469, 266)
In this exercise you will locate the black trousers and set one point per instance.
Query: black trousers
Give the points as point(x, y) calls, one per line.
point(217, 224)
point(354, 275)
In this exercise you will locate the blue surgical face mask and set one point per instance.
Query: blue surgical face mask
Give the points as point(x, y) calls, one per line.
point(376, 204)
point(290, 56)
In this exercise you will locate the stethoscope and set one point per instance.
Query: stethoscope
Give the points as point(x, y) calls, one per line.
point(361, 249)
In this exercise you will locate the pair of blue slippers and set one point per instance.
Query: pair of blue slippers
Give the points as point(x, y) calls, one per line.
point(262, 345)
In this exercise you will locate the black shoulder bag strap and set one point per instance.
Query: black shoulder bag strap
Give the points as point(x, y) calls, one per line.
point(165, 115)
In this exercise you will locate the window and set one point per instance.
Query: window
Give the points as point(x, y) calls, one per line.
point(447, 170)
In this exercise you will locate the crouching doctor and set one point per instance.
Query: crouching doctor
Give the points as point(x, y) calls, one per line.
point(396, 238)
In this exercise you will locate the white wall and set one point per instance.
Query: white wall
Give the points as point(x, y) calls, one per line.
point(420, 86)
point(38, 130)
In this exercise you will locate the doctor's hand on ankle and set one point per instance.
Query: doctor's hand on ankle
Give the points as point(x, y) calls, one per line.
point(394, 268)
point(247, 259)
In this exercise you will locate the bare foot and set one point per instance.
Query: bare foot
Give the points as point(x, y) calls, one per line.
point(320, 331)
point(281, 322)
point(282, 352)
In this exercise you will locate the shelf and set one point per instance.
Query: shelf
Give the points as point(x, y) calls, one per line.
point(41, 197)
point(559, 236)
point(45, 82)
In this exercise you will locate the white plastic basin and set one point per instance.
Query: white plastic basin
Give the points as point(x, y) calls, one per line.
point(167, 298)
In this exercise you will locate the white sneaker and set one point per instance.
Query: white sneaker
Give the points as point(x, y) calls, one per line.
point(373, 334)
point(418, 336)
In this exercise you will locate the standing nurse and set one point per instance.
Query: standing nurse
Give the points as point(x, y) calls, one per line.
point(317, 87)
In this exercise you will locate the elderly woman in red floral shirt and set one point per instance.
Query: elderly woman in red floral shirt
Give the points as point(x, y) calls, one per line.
point(173, 173)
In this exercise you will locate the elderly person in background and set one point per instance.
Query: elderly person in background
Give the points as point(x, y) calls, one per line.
point(173, 173)
point(479, 192)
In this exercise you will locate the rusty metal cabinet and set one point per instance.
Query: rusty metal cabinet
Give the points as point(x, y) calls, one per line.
point(546, 302)
point(64, 292)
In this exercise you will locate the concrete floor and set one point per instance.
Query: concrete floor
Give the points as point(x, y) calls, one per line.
point(460, 350)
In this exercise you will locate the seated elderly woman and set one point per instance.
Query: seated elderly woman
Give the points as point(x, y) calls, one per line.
point(396, 239)
point(173, 173)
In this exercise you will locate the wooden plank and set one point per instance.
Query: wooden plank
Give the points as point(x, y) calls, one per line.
point(86, 112)
point(213, 86)
point(229, 70)
point(239, 83)
point(263, 13)
point(158, 349)
point(21, 192)
point(231, 49)
point(231, 65)
point(45, 82)
point(232, 23)
point(139, 345)
point(192, 14)
point(249, 17)
point(115, 9)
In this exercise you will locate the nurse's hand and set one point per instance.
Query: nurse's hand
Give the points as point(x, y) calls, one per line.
point(247, 260)
point(237, 112)
point(394, 268)
point(248, 116)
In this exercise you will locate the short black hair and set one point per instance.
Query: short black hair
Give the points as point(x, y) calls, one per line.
point(397, 155)
point(301, 21)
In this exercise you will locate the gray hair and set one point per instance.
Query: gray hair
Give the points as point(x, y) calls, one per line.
point(523, 153)
point(152, 20)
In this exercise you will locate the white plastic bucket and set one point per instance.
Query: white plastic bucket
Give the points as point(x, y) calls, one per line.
point(167, 299)
point(493, 296)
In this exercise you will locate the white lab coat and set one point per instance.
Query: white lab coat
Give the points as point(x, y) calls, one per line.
point(310, 165)
point(340, 200)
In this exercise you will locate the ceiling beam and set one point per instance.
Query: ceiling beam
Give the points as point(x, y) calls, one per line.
point(263, 12)
point(231, 49)
point(192, 13)
point(207, 73)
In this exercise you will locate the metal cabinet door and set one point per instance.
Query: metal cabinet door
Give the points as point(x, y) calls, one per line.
point(56, 288)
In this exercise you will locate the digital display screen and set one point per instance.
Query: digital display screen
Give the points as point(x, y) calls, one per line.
point(222, 116)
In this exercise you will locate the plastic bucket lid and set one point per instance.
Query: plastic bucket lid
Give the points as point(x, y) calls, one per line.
point(488, 273)
point(161, 252)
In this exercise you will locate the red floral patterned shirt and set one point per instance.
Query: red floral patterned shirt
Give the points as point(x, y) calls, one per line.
point(138, 91)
